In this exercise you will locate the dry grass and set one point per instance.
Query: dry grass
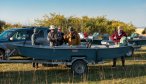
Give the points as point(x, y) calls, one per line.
point(133, 73)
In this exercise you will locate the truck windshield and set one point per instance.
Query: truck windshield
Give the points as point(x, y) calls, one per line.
point(5, 35)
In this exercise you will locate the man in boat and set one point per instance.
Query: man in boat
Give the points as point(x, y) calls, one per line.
point(72, 37)
point(52, 35)
point(116, 37)
point(34, 37)
point(60, 37)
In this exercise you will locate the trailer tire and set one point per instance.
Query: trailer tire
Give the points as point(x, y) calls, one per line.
point(2, 55)
point(79, 67)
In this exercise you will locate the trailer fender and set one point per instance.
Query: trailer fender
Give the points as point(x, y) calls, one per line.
point(79, 67)
point(78, 58)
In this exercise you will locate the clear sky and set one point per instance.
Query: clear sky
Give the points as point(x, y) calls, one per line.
point(25, 11)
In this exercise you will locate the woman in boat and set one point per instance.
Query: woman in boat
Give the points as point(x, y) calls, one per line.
point(116, 37)
point(72, 37)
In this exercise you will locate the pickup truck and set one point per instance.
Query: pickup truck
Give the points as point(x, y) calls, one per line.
point(20, 35)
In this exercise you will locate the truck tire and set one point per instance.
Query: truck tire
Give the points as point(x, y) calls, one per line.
point(2, 55)
point(79, 67)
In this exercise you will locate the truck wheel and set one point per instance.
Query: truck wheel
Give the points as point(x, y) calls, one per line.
point(79, 67)
point(2, 55)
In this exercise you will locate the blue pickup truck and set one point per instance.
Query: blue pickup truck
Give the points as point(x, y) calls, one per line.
point(20, 35)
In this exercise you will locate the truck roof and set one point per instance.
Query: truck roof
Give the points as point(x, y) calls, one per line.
point(28, 28)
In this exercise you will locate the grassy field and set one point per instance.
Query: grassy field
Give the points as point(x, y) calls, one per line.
point(133, 73)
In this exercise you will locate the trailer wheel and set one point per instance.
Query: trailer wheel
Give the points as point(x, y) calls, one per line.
point(79, 67)
point(2, 55)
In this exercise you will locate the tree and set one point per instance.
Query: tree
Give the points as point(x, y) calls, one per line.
point(9, 26)
point(2, 23)
point(84, 24)
point(144, 31)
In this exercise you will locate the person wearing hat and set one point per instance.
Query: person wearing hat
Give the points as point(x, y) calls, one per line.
point(52, 35)
point(60, 36)
point(116, 37)
point(73, 37)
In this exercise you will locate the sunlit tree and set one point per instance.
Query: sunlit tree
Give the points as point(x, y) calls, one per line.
point(84, 24)
point(2, 24)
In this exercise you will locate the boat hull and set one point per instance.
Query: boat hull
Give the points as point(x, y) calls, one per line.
point(90, 54)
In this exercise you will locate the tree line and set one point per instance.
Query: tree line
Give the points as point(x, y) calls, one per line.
point(5, 26)
point(84, 23)
point(81, 24)
point(144, 31)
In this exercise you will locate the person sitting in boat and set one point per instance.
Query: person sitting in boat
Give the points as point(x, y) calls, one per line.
point(60, 37)
point(116, 36)
point(34, 42)
point(85, 35)
point(72, 37)
point(52, 35)
point(34, 37)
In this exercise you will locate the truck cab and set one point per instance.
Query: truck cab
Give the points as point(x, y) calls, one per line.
point(20, 35)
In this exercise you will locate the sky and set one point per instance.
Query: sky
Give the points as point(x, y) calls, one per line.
point(26, 11)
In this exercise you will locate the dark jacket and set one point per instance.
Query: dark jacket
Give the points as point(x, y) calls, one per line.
point(60, 38)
